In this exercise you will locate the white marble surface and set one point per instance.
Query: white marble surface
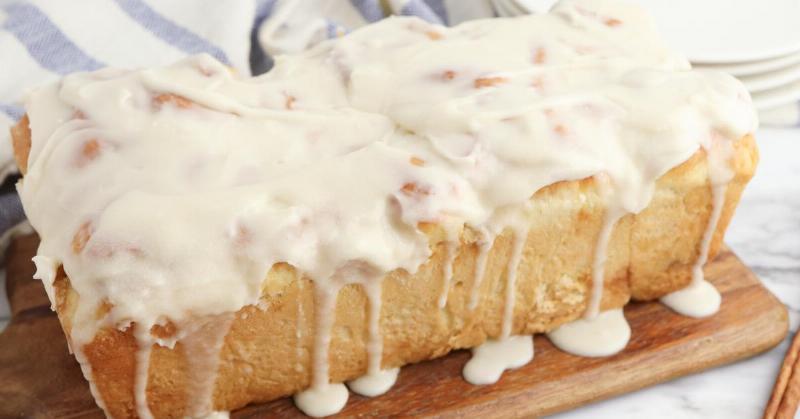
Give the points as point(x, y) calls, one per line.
point(766, 234)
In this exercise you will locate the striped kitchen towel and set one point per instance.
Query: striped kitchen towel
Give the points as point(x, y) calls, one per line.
point(42, 40)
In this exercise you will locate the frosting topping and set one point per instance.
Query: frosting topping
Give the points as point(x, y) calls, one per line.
point(334, 156)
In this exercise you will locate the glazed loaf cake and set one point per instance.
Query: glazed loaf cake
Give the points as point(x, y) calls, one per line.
point(210, 241)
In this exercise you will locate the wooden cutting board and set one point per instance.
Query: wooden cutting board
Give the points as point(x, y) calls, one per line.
point(39, 379)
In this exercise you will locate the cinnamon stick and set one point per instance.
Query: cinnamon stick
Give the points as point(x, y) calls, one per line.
point(786, 393)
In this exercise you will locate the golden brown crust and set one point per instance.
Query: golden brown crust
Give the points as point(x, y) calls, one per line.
point(263, 358)
point(21, 140)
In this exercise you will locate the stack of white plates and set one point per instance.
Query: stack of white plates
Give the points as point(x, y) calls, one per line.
point(754, 40)
point(509, 8)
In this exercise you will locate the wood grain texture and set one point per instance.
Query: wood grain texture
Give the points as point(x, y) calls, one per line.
point(41, 380)
point(786, 393)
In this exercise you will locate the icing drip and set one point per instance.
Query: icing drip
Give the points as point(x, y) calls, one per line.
point(143, 351)
point(202, 345)
point(603, 335)
point(599, 261)
point(46, 269)
point(301, 325)
point(520, 237)
point(718, 201)
point(494, 356)
point(374, 384)
point(484, 246)
point(202, 341)
point(323, 398)
point(451, 246)
point(322, 401)
point(700, 298)
point(490, 359)
point(377, 381)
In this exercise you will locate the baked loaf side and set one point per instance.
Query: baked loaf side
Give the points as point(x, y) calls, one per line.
point(267, 353)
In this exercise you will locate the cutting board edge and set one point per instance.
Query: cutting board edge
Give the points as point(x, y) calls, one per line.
point(774, 339)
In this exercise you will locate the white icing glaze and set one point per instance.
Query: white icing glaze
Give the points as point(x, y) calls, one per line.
point(46, 269)
point(484, 148)
point(490, 359)
point(175, 208)
point(598, 265)
point(603, 335)
point(325, 316)
point(202, 344)
point(599, 261)
point(374, 383)
point(484, 246)
point(300, 328)
point(325, 400)
point(699, 299)
point(322, 398)
point(145, 348)
point(451, 247)
point(518, 245)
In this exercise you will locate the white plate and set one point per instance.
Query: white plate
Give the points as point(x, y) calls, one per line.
point(772, 79)
point(535, 6)
point(515, 8)
point(729, 31)
point(508, 8)
point(754, 67)
point(780, 116)
point(777, 96)
point(501, 9)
